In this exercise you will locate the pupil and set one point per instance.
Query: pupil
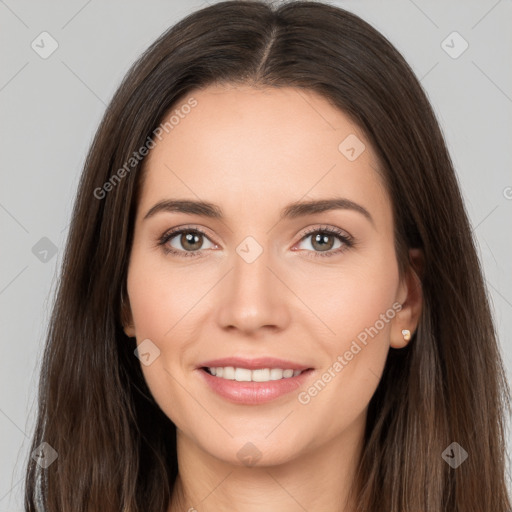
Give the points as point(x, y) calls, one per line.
point(190, 239)
point(322, 240)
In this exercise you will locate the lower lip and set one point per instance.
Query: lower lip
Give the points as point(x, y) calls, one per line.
point(253, 393)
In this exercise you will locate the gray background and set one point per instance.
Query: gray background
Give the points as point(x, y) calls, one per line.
point(50, 109)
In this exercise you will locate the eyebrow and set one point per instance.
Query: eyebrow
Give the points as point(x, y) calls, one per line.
point(291, 211)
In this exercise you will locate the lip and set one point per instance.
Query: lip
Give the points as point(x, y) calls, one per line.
point(254, 363)
point(253, 393)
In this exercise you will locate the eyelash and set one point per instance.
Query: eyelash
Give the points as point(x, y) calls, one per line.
point(347, 240)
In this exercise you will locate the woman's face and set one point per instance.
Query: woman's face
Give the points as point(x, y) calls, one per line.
point(262, 279)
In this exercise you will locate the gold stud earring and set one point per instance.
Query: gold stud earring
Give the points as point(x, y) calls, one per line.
point(406, 334)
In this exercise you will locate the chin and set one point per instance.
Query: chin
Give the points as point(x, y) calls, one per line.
point(254, 450)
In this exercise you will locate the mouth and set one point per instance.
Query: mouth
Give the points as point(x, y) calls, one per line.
point(247, 375)
point(253, 381)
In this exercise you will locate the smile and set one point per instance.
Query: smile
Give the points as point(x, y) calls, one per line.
point(247, 375)
point(252, 387)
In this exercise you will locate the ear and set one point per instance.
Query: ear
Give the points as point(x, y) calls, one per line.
point(126, 317)
point(410, 296)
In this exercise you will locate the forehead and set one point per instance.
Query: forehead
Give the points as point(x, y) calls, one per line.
point(261, 148)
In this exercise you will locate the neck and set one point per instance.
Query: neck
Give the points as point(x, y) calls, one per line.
point(320, 479)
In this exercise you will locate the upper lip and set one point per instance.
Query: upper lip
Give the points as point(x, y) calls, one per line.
point(254, 363)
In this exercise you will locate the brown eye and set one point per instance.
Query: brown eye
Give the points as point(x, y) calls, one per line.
point(326, 241)
point(323, 241)
point(191, 241)
point(185, 241)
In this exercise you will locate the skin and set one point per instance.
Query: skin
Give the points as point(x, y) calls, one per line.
point(252, 152)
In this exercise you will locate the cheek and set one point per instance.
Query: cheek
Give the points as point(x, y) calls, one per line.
point(352, 296)
point(159, 300)
point(358, 310)
point(160, 295)
point(149, 311)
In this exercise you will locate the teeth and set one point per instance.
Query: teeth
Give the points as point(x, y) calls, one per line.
point(276, 374)
point(242, 374)
point(259, 375)
point(262, 375)
point(228, 373)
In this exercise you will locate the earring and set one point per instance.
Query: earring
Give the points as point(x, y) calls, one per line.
point(406, 334)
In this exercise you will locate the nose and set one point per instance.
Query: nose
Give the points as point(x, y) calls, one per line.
point(252, 297)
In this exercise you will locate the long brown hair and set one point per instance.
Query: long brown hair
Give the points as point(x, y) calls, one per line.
point(116, 448)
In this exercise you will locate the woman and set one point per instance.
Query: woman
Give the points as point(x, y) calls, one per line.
point(270, 297)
